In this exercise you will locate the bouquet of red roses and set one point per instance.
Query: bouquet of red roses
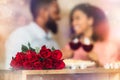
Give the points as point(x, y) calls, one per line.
point(29, 59)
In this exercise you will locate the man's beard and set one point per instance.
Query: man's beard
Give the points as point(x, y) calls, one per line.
point(52, 26)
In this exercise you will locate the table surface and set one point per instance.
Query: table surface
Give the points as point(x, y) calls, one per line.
point(69, 71)
point(65, 71)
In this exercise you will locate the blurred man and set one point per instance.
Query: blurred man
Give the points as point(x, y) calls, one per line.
point(37, 32)
point(54, 16)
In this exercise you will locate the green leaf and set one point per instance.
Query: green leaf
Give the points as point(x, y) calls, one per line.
point(30, 48)
point(24, 48)
point(13, 58)
point(29, 45)
point(37, 50)
point(53, 48)
point(42, 59)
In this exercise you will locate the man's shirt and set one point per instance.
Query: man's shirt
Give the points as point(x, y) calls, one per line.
point(32, 34)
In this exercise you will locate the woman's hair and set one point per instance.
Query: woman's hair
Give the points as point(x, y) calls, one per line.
point(96, 13)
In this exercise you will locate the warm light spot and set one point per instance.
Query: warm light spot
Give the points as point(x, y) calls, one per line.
point(87, 41)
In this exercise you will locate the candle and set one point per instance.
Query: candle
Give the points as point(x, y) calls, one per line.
point(107, 66)
point(116, 66)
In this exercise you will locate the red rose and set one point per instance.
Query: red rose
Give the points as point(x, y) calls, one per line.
point(21, 57)
point(38, 65)
point(48, 64)
point(59, 64)
point(43, 47)
point(28, 65)
point(32, 56)
point(16, 64)
point(57, 54)
point(46, 59)
point(44, 52)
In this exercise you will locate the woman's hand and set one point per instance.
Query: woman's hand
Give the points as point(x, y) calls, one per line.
point(67, 53)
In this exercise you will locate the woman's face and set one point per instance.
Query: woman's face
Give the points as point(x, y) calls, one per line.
point(80, 21)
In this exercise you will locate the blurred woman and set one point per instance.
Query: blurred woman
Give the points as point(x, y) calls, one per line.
point(90, 22)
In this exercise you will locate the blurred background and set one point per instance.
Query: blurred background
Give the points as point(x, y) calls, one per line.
point(15, 13)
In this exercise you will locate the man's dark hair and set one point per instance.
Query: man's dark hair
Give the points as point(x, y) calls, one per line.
point(35, 5)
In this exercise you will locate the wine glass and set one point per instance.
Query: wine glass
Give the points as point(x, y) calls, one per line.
point(87, 46)
point(75, 44)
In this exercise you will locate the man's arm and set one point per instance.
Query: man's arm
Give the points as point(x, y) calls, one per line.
point(14, 43)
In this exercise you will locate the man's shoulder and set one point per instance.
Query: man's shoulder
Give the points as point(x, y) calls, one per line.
point(20, 32)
